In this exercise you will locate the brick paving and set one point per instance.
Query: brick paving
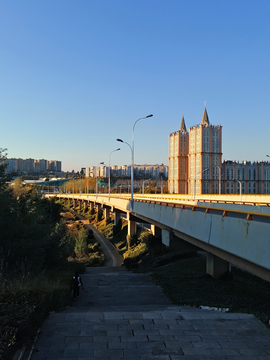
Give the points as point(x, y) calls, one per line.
point(122, 315)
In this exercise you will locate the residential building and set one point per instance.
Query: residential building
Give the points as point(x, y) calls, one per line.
point(195, 164)
point(140, 171)
point(195, 158)
point(245, 177)
point(12, 165)
point(31, 165)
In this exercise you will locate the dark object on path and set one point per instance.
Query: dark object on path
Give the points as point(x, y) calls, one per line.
point(77, 282)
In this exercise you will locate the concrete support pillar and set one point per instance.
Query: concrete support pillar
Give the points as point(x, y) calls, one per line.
point(91, 207)
point(117, 217)
point(69, 202)
point(98, 206)
point(85, 205)
point(80, 204)
point(74, 203)
point(131, 225)
point(216, 266)
point(156, 231)
point(165, 237)
point(107, 214)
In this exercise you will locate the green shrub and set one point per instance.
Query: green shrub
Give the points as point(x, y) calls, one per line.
point(81, 247)
point(144, 237)
point(131, 240)
point(25, 301)
point(136, 251)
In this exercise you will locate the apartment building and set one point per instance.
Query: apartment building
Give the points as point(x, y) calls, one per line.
point(143, 171)
point(32, 165)
point(195, 164)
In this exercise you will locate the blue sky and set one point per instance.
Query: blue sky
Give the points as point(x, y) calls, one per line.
point(76, 75)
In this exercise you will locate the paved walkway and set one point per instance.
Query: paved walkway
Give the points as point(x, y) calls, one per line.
point(123, 316)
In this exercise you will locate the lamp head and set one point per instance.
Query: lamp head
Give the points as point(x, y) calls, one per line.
point(119, 140)
point(118, 149)
point(149, 115)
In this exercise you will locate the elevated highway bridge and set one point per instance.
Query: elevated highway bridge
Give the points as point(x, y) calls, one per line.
point(233, 230)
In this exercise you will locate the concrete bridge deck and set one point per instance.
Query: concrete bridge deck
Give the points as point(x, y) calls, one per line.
point(230, 231)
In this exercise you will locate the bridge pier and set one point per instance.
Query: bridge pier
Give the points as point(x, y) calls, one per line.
point(117, 217)
point(131, 225)
point(216, 267)
point(98, 206)
point(153, 229)
point(91, 206)
point(166, 237)
point(85, 205)
point(80, 204)
point(74, 203)
point(107, 214)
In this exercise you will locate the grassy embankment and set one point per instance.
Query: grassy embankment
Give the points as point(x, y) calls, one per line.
point(25, 301)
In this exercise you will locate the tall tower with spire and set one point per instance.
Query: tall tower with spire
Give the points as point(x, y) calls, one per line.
point(196, 169)
point(178, 160)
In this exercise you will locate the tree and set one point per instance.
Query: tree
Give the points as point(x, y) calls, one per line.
point(18, 187)
point(4, 177)
point(29, 226)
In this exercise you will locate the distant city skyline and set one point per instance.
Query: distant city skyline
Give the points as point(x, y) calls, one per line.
point(75, 76)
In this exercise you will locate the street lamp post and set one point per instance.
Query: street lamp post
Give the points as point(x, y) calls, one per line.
point(132, 163)
point(200, 172)
point(110, 171)
point(132, 154)
point(219, 179)
point(143, 186)
point(240, 190)
point(124, 142)
point(101, 163)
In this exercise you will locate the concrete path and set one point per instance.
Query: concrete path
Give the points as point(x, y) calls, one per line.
point(123, 316)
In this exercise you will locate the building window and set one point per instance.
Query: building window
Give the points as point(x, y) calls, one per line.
point(175, 146)
point(171, 169)
point(175, 169)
